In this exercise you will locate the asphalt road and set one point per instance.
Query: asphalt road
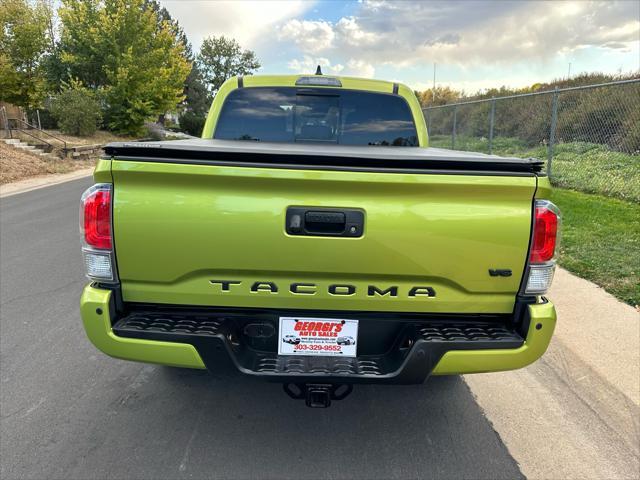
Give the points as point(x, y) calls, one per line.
point(68, 411)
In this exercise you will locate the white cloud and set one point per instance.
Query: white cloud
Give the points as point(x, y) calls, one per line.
point(360, 68)
point(468, 33)
point(478, 42)
point(352, 34)
point(249, 22)
point(308, 64)
point(355, 68)
point(310, 36)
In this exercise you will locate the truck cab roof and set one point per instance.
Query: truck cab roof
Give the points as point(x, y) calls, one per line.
point(351, 83)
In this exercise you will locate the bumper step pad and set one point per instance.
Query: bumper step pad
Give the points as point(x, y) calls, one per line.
point(168, 323)
point(410, 355)
point(319, 365)
point(471, 333)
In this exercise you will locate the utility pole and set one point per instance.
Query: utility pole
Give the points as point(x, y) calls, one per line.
point(433, 90)
point(569, 72)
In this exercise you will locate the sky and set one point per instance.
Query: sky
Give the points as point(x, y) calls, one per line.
point(475, 44)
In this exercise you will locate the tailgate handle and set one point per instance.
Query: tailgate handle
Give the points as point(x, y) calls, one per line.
point(334, 222)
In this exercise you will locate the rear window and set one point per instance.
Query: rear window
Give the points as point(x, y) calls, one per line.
point(286, 114)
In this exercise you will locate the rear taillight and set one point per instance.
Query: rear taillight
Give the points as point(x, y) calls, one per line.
point(545, 232)
point(96, 232)
point(97, 218)
point(544, 246)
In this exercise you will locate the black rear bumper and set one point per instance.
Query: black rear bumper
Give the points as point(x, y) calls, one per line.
point(399, 349)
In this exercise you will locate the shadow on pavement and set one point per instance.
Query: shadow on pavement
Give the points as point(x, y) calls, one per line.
point(172, 423)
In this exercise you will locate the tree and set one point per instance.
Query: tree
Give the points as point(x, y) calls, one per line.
point(24, 39)
point(197, 103)
point(163, 15)
point(198, 99)
point(443, 96)
point(76, 109)
point(123, 48)
point(221, 58)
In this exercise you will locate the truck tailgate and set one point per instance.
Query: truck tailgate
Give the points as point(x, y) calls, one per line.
point(205, 234)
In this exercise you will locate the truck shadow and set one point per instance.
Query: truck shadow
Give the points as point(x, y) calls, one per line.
point(430, 430)
point(150, 422)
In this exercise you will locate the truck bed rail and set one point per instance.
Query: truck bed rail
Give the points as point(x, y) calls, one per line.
point(331, 157)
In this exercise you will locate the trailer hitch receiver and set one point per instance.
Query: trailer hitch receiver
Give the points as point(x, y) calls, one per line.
point(317, 395)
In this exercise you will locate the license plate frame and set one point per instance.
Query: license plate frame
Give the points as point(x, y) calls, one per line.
point(315, 336)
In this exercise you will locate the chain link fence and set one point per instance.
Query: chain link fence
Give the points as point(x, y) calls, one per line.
point(590, 136)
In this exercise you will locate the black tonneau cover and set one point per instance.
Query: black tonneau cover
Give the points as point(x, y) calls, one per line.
point(319, 156)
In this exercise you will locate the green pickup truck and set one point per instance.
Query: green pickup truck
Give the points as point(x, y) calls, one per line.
point(311, 237)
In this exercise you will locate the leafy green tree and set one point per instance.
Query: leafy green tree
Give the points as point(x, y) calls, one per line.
point(162, 16)
point(197, 103)
point(77, 110)
point(441, 96)
point(221, 58)
point(24, 39)
point(124, 48)
point(198, 98)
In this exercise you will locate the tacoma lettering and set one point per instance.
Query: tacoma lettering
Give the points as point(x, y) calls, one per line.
point(344, 290)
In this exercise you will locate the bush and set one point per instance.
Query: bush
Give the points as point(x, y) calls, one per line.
point(77, 110)
point(192, 123)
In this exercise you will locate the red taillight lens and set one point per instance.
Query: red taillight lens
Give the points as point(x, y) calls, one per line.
point(97, 218)
point(545, 232)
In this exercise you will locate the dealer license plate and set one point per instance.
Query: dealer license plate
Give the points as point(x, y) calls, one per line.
point(318, 336)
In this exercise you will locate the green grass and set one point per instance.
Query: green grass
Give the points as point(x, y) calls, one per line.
point(601, 241)
point(581, 166)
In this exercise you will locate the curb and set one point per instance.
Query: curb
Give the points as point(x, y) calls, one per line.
point(35, 183)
